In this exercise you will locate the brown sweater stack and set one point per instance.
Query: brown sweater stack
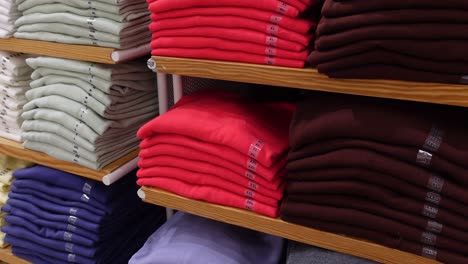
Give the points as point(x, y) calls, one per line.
point(388, 171)
point(415, 40)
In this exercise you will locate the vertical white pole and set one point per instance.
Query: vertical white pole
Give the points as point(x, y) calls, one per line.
point(178, 88)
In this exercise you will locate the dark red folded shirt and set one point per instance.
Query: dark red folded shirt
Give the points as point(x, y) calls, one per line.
point(231, 22)
point(390, 72)
point(214, 153)
point(333, 25)
point(299, 25)
point(409, 154)
point(300, 181)
point(385, 57)
point(433, 128)
point(205, 179)
point(446, 256)
point(209, 194)
point(270, 5)
point(274, 176)
point(333, 8)
point(365, 205)
point(260, 130)
point(427, 31)
point(371, 160)
point(454, 50)
point(383, 196)
point(237, 34)
point(373, 222)
point(226, 45)
point(233, 56)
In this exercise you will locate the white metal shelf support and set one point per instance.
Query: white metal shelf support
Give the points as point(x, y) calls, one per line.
point(163, 101)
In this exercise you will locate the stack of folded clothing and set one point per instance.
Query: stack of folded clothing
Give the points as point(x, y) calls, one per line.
point(262, 32)
point(387, 171)
point(7, 166)
point(298, 253)
point(15, 76)
point(8, 15)
point(57, 217)
point(192, 239)
point(417, 40)
point(219, 147)
point(105, 23)
point(87, 113)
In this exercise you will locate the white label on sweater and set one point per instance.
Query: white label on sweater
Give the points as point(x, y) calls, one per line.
point(430, 211)
point(271, 41)
point(250, 175)
point(270, 51)
point(73, 211)
point(428, 239)
point(71, 258)
point(429, 252)
point(255, 148)
point(69, 247)
point(435, 227)
point(88, 187)
point(270, 60)
point(72, 219)
point(433, 197)
point(424, 158)
point(435, 183)
point(282, 8)
point(249, 204)
point(253, 185)
point(71, 228)
point(85, 198)
point(434, 140)
point(272, 29)
point(252, 165)
point(83, 112)
point(67, 236)
point(249, 193)
point(276, 19)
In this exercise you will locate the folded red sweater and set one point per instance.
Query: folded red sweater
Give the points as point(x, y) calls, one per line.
point(227, 45)
point(270, 5)
point(234, 56)
point(275, 192)
point(260, 130)
point(299, 25)
point(205, 179)
point(230, 22)
point(236, 34)
point(274, 175)
point(220, 151)
point(209, 194)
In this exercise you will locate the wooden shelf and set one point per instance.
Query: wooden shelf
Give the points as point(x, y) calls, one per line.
point(53, 49)
point(280, 228)
point(16, 150)
point(310, 79)
point(8, 257)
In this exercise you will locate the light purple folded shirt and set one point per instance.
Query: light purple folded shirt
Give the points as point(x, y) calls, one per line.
point(189, 239)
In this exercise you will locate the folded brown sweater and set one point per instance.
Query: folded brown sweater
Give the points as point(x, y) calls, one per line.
point(334, 8)
point(427, 31)
point(360, 219)
point(433, 128)
point(390, 72)
point(360, 158)
point(396, 59)
point(381, 195)
point(353, 202)
point(409, 154)
point(453, 50)
point(381, 238)
point(300, 182)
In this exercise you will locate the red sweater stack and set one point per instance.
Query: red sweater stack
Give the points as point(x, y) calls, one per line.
point(263, 31)
point(221, 148)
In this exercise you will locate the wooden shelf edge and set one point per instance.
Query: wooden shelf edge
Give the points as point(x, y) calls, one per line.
point(310, 79)
point(7, 256)
point(16, 150)
point(53, 49)
point(280, 228)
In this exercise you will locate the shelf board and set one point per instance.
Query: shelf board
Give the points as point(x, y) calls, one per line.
point(310, 79)
point(53, 49)
point(280, 228)
point(8, 257)
point(16, 150)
